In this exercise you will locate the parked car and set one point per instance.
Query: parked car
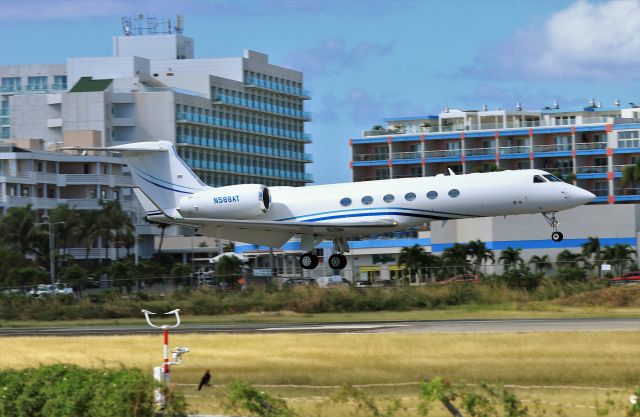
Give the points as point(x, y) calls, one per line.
point(332, 282)
point(51, 289)
point(294, 282)
point(462, 278)
point(628, 278)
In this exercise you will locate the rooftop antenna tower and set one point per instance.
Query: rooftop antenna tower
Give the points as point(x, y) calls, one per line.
point(556, 106)
point(518, 106)
point(179, 23)
point(148, 25)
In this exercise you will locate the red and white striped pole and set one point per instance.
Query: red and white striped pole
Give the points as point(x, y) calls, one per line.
point(165, 369)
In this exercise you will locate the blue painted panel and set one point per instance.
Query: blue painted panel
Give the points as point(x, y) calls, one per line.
point(486, 133)
point(592, 152)
point(627, 198)
point(443, 136)
point(356, 244)
point(601, 199)
point(481, 158)
point(590, 128)
point(444, 159)
point(552, 130)
point(551, 154)
point(515, 156)
point(381, 139)
point(514, 132)
point(370, 163)
point(623, 126)
point(402, 119)
point(543, 243)
point(407, 161)
point(591, 176)
point(626, 150)
point(411, 138)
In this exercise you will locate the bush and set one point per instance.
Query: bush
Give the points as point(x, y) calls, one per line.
point(71, 391)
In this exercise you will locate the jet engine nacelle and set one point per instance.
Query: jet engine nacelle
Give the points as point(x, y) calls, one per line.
point(232, 202)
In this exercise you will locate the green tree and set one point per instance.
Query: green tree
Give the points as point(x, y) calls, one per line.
point(454, 260)
point(619, 256)
point(592, 249)
point(89, 228)
point(566, 258)
point(540, 263)
point(77, 276)
point(19, 230)
point(66, 221)
point(479, 253)
point(510, 258)
point(228, 268)
point(27, 276)
point(412, 258)
point(630, 178)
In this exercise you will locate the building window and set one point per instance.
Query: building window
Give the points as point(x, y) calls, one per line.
point(388, 198)
point(454, 193)
point(37, 83)
point(10, 84)
point(59, 82)
point(367, 199)
point(345, 202)
point(432, 195)
point(410, 196)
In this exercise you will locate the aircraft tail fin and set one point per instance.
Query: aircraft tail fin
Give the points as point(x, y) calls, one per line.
point(158, 172)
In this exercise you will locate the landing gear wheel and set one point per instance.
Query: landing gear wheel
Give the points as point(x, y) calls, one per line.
point(557, 236)
point(308, 261)
point(337, 261)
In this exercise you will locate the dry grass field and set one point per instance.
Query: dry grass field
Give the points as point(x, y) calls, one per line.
point(584, 359)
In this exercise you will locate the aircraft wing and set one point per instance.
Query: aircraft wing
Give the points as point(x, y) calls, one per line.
point(276, 233)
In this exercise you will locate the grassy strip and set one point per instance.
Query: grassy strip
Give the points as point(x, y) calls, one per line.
point(534, 310)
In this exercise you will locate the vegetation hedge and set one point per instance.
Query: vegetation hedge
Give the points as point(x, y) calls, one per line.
point(71, 391)
point(305, 300)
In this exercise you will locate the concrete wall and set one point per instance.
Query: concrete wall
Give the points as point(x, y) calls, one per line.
point(108, 67)
point(172, 46)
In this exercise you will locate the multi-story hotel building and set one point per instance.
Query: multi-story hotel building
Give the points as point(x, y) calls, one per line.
point(590, 146)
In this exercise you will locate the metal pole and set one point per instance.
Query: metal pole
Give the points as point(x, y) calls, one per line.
point(165, 370)
point(52, 257)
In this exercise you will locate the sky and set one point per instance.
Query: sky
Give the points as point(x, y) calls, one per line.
point(366, 60)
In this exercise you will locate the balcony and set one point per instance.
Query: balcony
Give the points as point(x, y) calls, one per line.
point(281, 88)
point(628, 143)
point(265, 107)
point(371, 157)
point(185, 117)
point(509, 150)
point(243, 147)
point(445, 153)
point(594, 169)
point(590, 146)
point(249, 170)
point(552, 148)
point(32, 88)
point(406, 155)
point(480, 151)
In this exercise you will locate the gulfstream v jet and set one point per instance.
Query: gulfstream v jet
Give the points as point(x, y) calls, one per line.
point(171, 193)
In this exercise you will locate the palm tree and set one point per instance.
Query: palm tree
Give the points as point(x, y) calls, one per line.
point(510, 258)
point(566, 258)
point(454, 259)
point(592, 248)
point(19, 230)
point(480, 254)
point(89, 228)
point(540, 263)
point(618, 256)
point(630, 177)
point(66, 221)
point(412, 258)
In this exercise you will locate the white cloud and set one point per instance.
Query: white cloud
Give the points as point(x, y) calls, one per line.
point(584, 41)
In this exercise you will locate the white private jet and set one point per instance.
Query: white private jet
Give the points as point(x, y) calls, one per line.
point(171, 193)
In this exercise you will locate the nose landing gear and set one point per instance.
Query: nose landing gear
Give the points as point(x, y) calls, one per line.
point(550, 217)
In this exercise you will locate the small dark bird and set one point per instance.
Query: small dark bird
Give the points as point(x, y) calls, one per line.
point(204, 380)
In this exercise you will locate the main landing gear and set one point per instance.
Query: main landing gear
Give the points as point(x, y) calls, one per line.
point(309, 260)
point(550, 217)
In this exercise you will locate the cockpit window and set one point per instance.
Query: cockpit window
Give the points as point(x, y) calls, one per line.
point(538, 178)
point(552, 178)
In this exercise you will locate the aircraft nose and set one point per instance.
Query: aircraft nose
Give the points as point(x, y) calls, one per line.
point(581, 196)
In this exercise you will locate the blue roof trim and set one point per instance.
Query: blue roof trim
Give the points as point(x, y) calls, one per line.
point(481, 158)
point(370, 163)
point(551, 154)
point(353, 244)
point(626, 150)
point(542, 243)
point(444, 159)
point(623, 126)
point(407, 161)
point(411, 138)
point(482, 134)
point(591, 176)
point(409, 118)
point(592, 152)
point(601, 127)
point(377, 139)
point(514, 155)
point(553, 130)
point(443, 136)
point(627, 198)
point(513, 132)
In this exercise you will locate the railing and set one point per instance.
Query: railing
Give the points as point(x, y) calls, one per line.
point(277, 87)
point(594, 169)
point(406, 155)
point(371, 157)
point(15, 174)
point(32, 88)
point(627, 191)
point(249, 170)
point(480, 151)
point(588, 146)
point(596, 120)
point(620, 168)
point(242, 147)
point(628, 143)
point(514, 149)
point(552, 148)
point(259, 105)
point(444, 153)
point(233, 124)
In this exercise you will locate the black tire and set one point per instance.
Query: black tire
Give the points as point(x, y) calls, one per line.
point(337, 261)
point(557, 236)
point(308, 261)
